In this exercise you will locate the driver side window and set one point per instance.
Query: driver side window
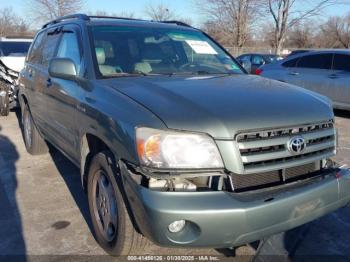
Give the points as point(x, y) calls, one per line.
point(69, 48)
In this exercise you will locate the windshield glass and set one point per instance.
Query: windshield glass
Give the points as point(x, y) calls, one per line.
point(141, 50)
point(273, 58)
point(14, 48)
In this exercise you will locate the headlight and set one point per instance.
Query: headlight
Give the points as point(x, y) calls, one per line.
point(171, 149)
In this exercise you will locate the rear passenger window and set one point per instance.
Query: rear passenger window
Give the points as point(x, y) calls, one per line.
point(291, 63)
point(34, 55)
point(320, 61)
point(49, 48)
point(341, 62)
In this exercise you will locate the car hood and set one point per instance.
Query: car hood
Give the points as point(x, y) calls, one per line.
point(15, 63)
point(222, 106)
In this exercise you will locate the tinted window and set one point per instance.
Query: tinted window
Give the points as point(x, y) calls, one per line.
point(14, 48)
point(291, 63)
point(321, 61)
point(341, 62)
point(49, 48)
point(35, 51)
point(69, 48)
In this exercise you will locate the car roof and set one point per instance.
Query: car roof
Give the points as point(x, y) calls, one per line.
point(321, 51)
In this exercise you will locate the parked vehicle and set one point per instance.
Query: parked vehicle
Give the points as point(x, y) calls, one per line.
point(299, 51)
point(175, 142)
point(252, 62)
point(326, 72)
point(12, 55)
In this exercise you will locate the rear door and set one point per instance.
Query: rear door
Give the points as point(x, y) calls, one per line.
point(30, 78)
point(312, 72)
point(62, 96)
point(339, 79)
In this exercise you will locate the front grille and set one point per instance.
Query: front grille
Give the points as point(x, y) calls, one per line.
point(241, 183)
point(267, 150)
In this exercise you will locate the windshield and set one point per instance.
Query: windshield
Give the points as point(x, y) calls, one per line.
point(273, 58)
point(14, 48)
point(143, 51)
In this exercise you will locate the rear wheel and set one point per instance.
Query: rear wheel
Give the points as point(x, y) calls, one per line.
point(112, 225)
point(34, 143)
point(4, 100)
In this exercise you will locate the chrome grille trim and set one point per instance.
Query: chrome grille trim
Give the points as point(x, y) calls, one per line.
point(266, 150)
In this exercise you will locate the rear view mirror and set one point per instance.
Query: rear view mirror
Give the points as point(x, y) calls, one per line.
point(62, 68)
point(247, 65)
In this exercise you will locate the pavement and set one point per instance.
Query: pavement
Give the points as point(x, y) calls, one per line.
point(44, 211)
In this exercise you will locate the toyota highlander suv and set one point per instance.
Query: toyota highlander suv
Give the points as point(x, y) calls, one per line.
point(176, 144)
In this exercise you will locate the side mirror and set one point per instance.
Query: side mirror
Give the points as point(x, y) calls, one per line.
point(247, 65)
point(62, 68)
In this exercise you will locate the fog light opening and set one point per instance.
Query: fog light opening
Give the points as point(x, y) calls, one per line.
point(177, 226)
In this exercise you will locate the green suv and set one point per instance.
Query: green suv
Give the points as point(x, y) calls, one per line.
point(175, 142)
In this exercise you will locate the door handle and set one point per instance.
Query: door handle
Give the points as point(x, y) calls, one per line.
point(333, 76)
point(294, 73)
point(48, 82)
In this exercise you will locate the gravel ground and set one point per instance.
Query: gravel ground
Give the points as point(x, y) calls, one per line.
point(43, 210)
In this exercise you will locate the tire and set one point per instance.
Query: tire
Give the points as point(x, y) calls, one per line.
point(4, 101)
point(33, 141)
point(113, 228)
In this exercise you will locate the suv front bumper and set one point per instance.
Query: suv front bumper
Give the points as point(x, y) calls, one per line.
point(224, 219)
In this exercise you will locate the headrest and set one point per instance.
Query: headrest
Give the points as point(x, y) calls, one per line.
point(100, 55)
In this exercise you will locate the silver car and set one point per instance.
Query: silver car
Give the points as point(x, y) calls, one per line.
point(326, 72)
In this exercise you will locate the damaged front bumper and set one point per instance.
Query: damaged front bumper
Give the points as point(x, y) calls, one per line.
point(8, 84)
point(220, 219)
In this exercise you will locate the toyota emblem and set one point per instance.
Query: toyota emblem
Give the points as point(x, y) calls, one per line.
point(296, 145)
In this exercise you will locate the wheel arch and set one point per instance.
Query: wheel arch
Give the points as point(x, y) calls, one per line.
point(91, 144)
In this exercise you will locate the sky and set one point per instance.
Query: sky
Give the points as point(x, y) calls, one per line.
point(184, 8)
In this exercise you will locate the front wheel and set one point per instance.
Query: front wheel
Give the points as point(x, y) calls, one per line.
point(112, 225)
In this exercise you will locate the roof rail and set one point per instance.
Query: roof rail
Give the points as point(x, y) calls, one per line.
point(115, 17)
point(73, 16)
point(175, 22)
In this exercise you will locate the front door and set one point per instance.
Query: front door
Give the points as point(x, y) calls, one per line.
point(339, 80)
point(62, 97)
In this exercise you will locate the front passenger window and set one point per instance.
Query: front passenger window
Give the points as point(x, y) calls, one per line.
point(69, 48)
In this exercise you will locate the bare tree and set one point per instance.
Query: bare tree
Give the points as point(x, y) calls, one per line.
point(336, 32)
point(46, 10)
point(105, 13)
point(234, 17)
point(159, 12)
point(285, 15)
point(301, 36)
point(12, 24)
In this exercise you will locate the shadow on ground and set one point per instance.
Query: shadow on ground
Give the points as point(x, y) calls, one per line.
point(11, 232)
